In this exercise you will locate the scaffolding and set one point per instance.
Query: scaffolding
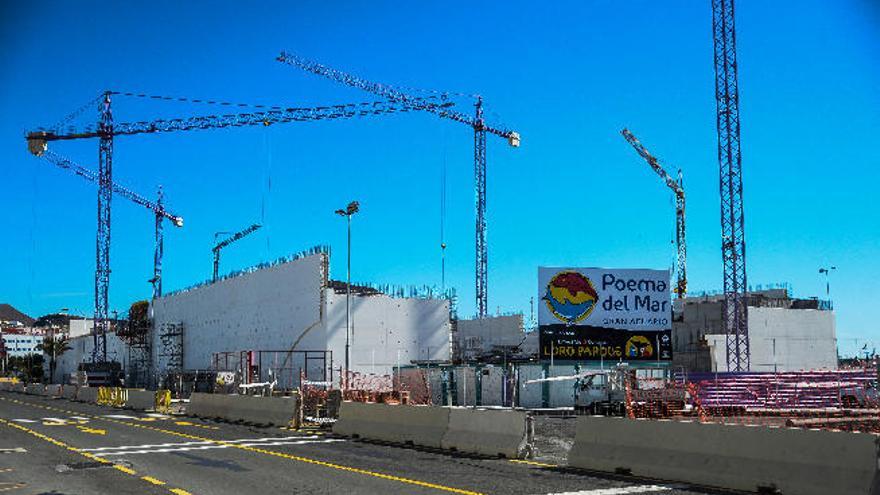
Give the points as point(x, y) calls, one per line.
point(140, 358)
point(171, 352)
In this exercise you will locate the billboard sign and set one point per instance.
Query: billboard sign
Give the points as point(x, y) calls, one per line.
point(604, 314)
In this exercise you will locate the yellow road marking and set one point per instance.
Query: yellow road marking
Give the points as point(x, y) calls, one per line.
point(150, 479)
point(273, 453)
point(6, 470)
point(188, 423)
point(533, 463)
point(87, 455)
point(93, 431)
point(125, 469)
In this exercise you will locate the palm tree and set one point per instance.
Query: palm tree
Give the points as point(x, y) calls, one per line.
point(54, 347)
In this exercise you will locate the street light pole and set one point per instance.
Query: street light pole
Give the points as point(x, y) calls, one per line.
point(349, 210)
point(827, 271)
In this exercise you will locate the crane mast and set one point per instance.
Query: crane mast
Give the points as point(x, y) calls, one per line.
point(102, 248)
point(677, 187)
point(225, 242)
point(106, 129)
point(480, 130)
point(159, 251)
point(733, 243)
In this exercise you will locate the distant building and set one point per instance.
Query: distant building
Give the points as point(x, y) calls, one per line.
point(20, 345)
point(80, 327)
point(785, 333)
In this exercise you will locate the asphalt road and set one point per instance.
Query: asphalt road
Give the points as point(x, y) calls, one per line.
point(55, 446)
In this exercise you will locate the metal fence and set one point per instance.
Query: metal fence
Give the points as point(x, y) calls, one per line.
point(288, 368)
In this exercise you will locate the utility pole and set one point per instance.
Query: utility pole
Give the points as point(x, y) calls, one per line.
point(349, 210)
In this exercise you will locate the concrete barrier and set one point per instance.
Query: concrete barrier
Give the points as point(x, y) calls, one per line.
point(69, 392)
point(488, 432)
point(279, 411)
point(34, 389)
point(419, 425)
point(749, 458)
point(87, 394)
point(53, 390)
point(140, 399)
point(18, 387)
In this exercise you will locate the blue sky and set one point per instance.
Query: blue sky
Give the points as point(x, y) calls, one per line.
point(567, 76)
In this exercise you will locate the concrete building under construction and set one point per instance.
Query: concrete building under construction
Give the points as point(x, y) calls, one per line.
point(785, 333)
point(288, 317)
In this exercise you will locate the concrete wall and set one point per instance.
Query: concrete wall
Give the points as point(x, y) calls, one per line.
point(268, 309)
point(289, 306)
point(388, 330)
point(784, 340)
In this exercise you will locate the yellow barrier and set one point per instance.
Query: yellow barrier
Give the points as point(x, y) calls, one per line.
point(112, 396)
point(163, 401)
point(103, 396)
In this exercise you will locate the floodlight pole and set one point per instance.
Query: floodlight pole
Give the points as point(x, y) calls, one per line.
point(350, 210)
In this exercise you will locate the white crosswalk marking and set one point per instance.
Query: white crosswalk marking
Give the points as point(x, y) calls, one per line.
point(272, 439)
point(158, 416)
point(298, 442)
point(626, 490)
point(119, 416)
point(81, 418)
point(205, 445)
point(24, 420)
point(126, 447)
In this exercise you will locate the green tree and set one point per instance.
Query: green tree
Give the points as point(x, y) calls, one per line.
point(28, 368)
point(54, 347)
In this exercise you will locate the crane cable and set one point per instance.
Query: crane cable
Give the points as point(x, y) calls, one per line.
point(267, 192)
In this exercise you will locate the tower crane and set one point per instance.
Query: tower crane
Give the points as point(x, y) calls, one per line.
point(157, 207)
point(229, 240)
point(107, 129)
point(159, 252)
point(476, 122)
point(677, 188)
point(733, 241)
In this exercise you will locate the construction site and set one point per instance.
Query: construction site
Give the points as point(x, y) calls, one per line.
point(617, 380)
